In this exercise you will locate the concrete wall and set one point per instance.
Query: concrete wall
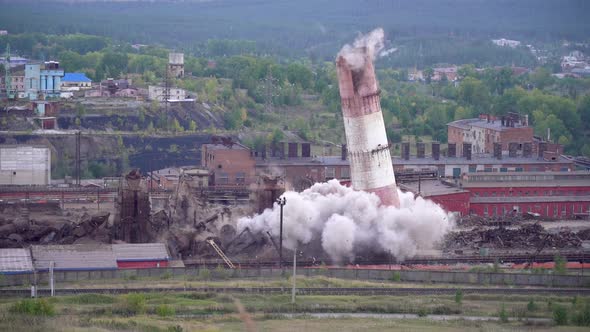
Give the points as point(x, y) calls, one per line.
point(25, 165)
point(506, 279)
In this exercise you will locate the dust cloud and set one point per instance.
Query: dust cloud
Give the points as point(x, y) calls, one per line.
point(369, 44)
point(347, 221)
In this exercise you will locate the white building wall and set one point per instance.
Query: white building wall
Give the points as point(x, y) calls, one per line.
point(25, 165)
point(158, 93)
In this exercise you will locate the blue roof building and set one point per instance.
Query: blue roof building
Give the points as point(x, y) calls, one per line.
point(75, 77)
point(75, 80)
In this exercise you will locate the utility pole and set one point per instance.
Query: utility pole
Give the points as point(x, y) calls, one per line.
point(10, 93)
point(281, 201)
point(78, 133)
point(51, 279)
point(294, 275)
point(167, 95)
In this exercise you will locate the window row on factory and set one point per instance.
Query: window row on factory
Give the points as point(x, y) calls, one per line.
point(518, 192)
point(545, 210)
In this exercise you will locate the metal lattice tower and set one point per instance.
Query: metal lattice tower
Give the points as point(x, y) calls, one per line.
point(268, 86)
point(10, 94)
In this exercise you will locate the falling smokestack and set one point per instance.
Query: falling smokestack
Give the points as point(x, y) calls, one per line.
point(370, 160)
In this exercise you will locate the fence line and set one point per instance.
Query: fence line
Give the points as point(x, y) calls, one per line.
point(195, 274)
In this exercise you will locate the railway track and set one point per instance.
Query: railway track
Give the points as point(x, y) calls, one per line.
point(308, 291)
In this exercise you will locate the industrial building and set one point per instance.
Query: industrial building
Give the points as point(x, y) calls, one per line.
point(486, 130)
point(76, 80)
point(552, 195)
point(17, 83)
point(159, 93)
point(300, 170)
point(25, 165)
point(230, 164)
point(41, 83)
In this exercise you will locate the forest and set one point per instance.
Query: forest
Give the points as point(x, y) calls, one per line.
point(312, 28)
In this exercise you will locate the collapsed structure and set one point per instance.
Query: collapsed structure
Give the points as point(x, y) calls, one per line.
point(368, 150)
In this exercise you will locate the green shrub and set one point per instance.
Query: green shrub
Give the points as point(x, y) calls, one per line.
point(396, 276)
point(221, 272)
point(582, 317)
point(459, 296)
point(92, 299)
point(531, 306)
point(165, 311)
point(560, 265)
point(445, 310)
point(199, 296)
point(176, 328)
point(422, 312)
point(135, 303)
point(496, 266)
point(166, 275)
point(36, 307)
point(204, 274)
point(129, 276)
point(502, 314)
point(559, 315)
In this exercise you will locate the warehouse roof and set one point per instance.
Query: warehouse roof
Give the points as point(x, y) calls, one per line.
point(431, 188)
point(477, 122)
point(530, 199)
point(75, 77)
point(140, 252)
point(15, 260)
point(74, 257)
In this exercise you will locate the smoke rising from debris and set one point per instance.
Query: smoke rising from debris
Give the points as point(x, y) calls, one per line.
point(348, 221)
point(370, 44)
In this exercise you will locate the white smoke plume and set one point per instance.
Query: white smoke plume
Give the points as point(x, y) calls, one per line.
point(348, 221)
point(370, 44)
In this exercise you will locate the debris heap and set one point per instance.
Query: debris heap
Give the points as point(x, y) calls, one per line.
point(525, 237)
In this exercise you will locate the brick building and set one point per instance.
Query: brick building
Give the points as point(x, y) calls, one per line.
point(17, 84)
point(451, 198)
point(552, 195)
point(229, 164)
point(486, 130)
point(300, 170)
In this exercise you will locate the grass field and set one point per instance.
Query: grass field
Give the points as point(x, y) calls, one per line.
point(198, 311)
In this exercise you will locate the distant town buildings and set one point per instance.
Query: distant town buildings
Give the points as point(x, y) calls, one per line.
point(17, 85)
point(506, 42)
point(15, 61)
point(445, 73)
point(575, 64)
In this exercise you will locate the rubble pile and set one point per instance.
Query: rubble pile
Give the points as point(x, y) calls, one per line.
point(526, 237)
point(475, 220)
point(23, 230)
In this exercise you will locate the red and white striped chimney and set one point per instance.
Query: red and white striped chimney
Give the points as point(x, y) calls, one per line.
point(371, 169)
